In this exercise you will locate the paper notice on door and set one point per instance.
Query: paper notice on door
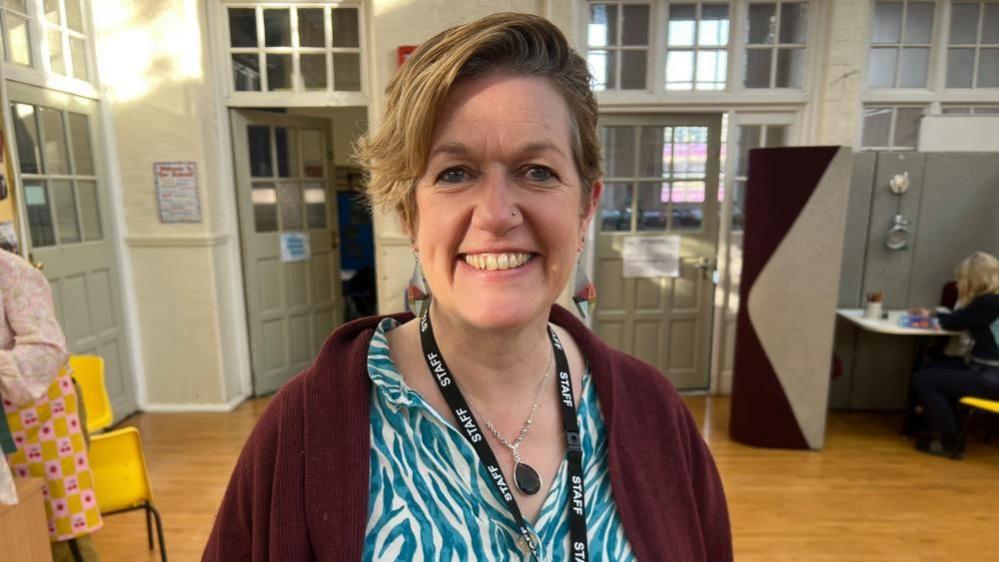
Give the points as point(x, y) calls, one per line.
point(295, 246)
point(177, 192)
point(651, 256)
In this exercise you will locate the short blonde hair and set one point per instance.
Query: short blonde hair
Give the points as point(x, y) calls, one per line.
point(977, 275)
point(520, 44)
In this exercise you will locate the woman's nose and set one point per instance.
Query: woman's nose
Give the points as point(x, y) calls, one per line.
point(496, 209)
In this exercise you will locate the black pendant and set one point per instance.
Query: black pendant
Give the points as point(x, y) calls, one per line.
point(526, 478)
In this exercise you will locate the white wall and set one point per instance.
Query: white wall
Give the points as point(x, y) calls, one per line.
point(837, 98)
point(160, 90)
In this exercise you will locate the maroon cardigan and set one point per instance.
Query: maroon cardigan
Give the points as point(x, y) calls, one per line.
point(299, 491)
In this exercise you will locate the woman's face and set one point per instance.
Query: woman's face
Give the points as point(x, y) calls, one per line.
point(499, 216)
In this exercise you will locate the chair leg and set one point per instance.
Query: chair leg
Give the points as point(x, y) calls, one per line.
point(149, 526)
point(159, 531)
point(959, 443)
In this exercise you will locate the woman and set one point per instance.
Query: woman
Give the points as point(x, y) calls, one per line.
point(40, 406)
point(940, 386)
point(495, 426)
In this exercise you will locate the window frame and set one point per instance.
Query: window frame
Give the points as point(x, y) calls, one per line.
point(935, 95)
point(735, 93)
point(933, 46)
point(65, 33)
point(297, 96)
point(46, 177)
point(764, 120)
point(40, 73)
point(696, 47)
point(5, 13)
point(927, 110)
point(978, 45)
point(973, 109)
point(615, 50)
point(776, 46)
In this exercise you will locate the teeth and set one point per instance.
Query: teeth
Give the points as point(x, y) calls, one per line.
point(493, 262)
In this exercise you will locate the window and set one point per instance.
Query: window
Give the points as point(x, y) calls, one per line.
point(618, 40)
point(57, 168)
point(309, 47)
point(750, 137)
point(775, 45)
point(65, 38)
point(891, 127)
point(15, 24)
point(973, 45)
point(289, 178)
point(655, 178)
point(970, 109)
point(697, 46)
point(899, 56)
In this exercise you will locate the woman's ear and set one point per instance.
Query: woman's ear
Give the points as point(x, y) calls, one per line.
point(592, 203)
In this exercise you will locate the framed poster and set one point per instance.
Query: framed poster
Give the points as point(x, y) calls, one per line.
point(177, 195)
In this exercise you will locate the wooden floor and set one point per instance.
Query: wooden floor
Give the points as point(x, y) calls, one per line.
point(868, 496)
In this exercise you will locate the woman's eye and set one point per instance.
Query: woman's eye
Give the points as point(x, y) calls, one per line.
point(453, 175)
point(540, 174)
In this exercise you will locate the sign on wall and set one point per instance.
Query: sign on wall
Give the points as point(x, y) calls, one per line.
point(177, 192)
point(651, 256)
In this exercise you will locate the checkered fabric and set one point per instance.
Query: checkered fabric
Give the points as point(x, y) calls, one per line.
point(50, 445)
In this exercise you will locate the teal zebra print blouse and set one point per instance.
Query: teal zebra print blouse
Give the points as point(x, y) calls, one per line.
point(431, 499)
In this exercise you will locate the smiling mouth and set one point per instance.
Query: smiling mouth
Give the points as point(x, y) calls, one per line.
point(495, 262)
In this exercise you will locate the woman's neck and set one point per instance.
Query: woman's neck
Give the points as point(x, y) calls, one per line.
point(489, 364)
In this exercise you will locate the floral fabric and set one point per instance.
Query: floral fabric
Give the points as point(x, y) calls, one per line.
point(32, 346)
point(50, 444)
point(40, 403)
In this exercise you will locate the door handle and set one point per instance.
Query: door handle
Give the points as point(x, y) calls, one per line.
point(335, 239)
point(36, 264)
point(706, 265)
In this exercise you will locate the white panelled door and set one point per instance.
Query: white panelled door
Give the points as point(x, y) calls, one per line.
point(661, 179)
point(65, 201)
point(284, 190)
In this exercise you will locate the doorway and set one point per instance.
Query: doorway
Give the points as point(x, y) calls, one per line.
point(661, 176)
point(66, 205)
point(290, 241)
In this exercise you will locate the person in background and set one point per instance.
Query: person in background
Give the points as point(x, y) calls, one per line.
point(40, 404)
point(939, 387)
point(495, 425)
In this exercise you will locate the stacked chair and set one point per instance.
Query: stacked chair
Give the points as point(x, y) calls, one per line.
point(120, 476)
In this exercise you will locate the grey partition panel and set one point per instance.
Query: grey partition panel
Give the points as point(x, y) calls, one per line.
point(843, 351)
point(887, 270)
point(957, 215)
point(953, 206)
point(858, 215)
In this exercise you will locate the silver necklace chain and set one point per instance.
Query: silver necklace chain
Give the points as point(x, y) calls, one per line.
point(515, 446)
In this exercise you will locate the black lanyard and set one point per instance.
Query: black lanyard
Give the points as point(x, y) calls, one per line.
point(579, 551)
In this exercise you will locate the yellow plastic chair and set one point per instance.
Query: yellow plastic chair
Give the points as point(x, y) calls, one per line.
point(121, 481)
point(974, 405)
point(88, 371)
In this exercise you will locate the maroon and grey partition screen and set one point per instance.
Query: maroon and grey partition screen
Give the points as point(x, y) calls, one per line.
point(795, 206)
